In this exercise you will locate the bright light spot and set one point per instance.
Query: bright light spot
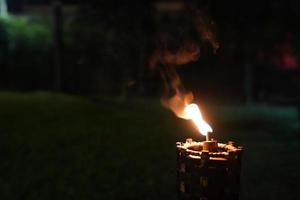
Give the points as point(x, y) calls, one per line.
point(192, 111)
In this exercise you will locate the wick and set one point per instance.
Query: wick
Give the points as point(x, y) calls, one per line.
point(207, 137)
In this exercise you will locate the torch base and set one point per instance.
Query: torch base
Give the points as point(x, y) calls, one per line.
point(208, 170)
point(211, 146)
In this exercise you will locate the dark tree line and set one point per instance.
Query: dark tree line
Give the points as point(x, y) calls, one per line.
point(107, 45)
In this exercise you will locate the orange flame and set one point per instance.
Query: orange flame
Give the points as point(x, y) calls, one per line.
point(192, 111)
point(182, 106)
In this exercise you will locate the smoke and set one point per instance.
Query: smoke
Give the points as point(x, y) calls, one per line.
point(177, 43)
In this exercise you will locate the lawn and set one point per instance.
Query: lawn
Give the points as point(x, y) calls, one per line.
point(64, 147)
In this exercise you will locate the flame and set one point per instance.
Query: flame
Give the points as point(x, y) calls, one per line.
point(182, 107)
point(192, 111)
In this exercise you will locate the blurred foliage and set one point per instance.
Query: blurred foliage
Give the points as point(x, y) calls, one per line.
point(111, 48)
point(29, 33)
point(25, 53)
point(107, 45)
point(97, 56)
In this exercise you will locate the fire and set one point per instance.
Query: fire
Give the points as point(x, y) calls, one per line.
point(182, 106)
point(192, 112)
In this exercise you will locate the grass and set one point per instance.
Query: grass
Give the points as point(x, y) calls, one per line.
point(62, 147)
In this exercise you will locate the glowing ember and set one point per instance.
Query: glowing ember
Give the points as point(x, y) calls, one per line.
point(192, 111)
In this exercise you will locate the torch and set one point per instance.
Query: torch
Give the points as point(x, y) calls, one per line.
point(207, 170)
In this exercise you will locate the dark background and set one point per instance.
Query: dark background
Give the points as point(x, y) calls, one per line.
point(79, 106)
point(99, 47)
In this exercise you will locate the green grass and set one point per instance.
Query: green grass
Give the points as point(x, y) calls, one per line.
point(63, 147)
